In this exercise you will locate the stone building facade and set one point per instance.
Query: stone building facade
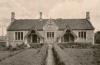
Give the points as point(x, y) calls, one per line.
point(29, 31)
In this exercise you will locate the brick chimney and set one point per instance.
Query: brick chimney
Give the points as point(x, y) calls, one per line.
point(88, 15)
point(40, 16)
point(12, 16)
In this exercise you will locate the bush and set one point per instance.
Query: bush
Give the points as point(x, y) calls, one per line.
point(60, 56)
point(36, 45)
point(97, 37)
point(75, 45)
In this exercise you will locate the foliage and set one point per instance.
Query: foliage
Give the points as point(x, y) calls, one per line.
point(36, 45)
point(97, 37)
point(75, 45)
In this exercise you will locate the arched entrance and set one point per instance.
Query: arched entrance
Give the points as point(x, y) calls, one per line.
point(33, 37)
point(68, 36)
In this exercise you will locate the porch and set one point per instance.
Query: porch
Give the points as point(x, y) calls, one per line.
point(33, 37)
point(68, 36)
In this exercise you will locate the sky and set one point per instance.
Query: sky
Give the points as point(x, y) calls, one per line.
point(29, 9)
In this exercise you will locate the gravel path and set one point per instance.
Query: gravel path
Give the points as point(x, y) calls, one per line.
point(50, 58)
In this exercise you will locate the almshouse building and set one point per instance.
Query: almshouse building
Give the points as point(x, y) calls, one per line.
point(41, 30)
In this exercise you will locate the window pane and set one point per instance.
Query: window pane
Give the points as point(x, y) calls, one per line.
point(18, 35)
point(21, 35)
point(52, 34)
point(82, 34)
point(47, 34)
point(85, 35)
point(79, 34)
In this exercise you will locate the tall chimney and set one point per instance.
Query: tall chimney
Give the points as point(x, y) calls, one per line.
point(12, 16)
point(40, 16)
point(88, 15)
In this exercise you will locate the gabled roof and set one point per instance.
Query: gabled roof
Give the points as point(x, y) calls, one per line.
point(27, 24)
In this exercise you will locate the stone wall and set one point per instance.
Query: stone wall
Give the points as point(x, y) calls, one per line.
point(11, 38)
point(89, 36)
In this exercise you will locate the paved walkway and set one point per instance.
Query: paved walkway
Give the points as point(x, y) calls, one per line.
point(50, 58)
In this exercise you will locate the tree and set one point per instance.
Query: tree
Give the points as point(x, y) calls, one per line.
point(97, 37)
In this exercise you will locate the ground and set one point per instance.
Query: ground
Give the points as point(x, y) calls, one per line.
point(35, 56)
point(80, 56)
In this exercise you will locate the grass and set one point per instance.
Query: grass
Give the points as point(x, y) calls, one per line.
point(80, 56)
point(36, 56)
point(6, 54)
point(28, 57)
point(77, 56)
point(85, 56)
point(20, 59)
point(97, 56)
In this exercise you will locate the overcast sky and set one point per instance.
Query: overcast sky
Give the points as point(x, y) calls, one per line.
point(51, 9)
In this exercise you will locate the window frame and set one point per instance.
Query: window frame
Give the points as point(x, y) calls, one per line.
point(82, 34)
point(18, 36)
point(50, 34)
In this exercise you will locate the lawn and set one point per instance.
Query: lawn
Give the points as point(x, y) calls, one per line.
point(80, 56)
point(6, 54)
point(27, 57)
point(97, 56)
point(77, 56)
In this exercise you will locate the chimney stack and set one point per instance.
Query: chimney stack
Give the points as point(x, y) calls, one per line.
point(12, 16)
point(40, 16)
point(88, 15)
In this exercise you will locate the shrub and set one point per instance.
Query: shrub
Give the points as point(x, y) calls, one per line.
point(75, 45)
point(36, 45)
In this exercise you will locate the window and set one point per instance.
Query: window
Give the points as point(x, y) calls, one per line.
point(50, 34)
point(18, 35)
point(82, 35)
point(21, 35)
point(85, 35)
point(79, 34)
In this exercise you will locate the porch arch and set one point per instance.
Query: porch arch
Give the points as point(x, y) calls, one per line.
point(33, 37)
point(68, 36)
